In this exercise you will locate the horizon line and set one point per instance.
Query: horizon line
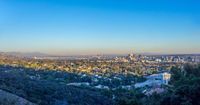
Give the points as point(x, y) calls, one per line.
point(98, 54)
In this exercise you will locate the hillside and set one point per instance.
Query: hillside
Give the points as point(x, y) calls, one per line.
point(47, 91)
point(11, 99)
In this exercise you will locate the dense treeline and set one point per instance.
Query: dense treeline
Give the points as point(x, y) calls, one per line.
point(184, 89)
point(47, 91)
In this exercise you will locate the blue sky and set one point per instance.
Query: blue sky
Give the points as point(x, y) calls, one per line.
point(74, 27)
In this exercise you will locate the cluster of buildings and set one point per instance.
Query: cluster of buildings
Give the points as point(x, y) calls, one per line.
point(159, 58)
point(149, 63)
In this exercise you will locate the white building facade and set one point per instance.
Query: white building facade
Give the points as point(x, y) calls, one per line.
point(155, 80)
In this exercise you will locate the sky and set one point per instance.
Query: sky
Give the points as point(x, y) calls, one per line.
point(82, 27)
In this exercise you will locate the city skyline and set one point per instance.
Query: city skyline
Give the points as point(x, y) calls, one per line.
point(77, 27)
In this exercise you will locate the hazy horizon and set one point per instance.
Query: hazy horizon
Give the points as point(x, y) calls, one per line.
point(92, 54)
point(88, 27)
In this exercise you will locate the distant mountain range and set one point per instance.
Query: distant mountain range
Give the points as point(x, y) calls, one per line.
point(20, 54)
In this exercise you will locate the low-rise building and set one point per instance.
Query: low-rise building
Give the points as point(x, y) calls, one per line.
point(155, 80)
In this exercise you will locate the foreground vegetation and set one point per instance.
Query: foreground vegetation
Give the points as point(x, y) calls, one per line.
point(184, 89)
point(47, 92)
point(45, 87)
